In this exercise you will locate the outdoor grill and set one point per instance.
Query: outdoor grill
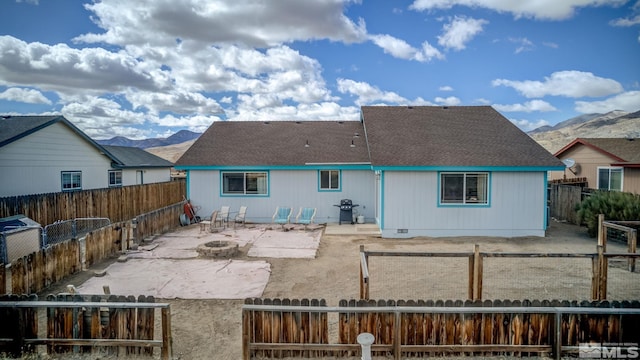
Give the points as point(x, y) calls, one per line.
point(346, 211)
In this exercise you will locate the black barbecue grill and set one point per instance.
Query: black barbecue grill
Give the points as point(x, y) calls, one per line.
point(346, 211)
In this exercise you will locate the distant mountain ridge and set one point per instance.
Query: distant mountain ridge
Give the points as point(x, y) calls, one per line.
point(614, 124)
point(177, 138)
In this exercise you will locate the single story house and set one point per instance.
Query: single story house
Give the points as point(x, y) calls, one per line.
point(45, 154)
point(413, 170)
point(606, 163)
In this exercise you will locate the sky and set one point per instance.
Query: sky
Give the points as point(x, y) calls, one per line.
point(149, 68)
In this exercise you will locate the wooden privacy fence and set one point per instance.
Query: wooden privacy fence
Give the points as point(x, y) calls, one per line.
point(476, 274)
point(39, 270)
point(118, 204)
point(563, 200)
point(114, 326)
point(297, 328)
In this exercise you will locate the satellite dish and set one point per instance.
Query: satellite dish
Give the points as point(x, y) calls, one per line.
point(571, 165)
point(569, 162)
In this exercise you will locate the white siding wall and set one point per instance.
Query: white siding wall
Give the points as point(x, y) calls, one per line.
point(517, 207)
point(33, 164)
point(150, 176)
point(291, 188)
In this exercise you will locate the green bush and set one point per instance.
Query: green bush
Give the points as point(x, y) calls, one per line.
point(615, 205)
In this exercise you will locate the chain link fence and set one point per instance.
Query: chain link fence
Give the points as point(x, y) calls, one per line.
point(71, 229)
point(21, 240)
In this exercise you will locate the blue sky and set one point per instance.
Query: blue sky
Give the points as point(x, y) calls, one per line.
point(149, 68)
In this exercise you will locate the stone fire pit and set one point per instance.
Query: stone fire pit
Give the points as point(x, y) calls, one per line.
point(218, 249)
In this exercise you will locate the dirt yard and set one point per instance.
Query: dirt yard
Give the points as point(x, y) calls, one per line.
point(211, 329)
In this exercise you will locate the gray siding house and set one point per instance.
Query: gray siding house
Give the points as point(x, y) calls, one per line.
point(414, 171)
point(46, 154)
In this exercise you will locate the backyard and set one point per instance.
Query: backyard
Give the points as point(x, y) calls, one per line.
point(212, 327)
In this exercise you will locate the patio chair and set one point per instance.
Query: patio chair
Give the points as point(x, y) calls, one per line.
point(240, 216)
point(281, 216)
point(306, 216)
point(223, 216)
point(210, 223)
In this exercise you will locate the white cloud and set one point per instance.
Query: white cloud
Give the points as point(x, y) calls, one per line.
point(246, 22)
point(33, 2)
point(67, 70)
point(29, 96)
point(541, 9)
point(570, 83)
point(367, 94)
point(460, 31)
point(177, 102)
point(529, 106)
point(401, 49)
point(626, 21)
point(449, 101)
point(628, 101)
point(248, 110)
point(524, 44)
point(445, 88)
point(528, 125)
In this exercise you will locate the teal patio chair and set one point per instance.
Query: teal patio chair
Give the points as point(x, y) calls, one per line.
point(306, 216)
point(281, 216)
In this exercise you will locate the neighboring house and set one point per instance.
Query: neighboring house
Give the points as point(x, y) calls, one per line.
point(415, 171)
point(135, 166)
point(607, 163)
point(45, 154)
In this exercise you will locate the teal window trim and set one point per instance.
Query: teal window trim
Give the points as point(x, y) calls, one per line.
point(244, 183)
point(330, 189)
point(464, 204)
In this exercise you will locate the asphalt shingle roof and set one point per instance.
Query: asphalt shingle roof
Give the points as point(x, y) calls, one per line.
point(449, 136)
point(251, 143)
point(131, 157)
point(13, 128)
point(626, 149)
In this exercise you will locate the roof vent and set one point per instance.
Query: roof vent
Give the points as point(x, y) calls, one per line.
point(445, 107)
point(340, 122)
point(409, 107)
point(298, 122)
point(267, 123)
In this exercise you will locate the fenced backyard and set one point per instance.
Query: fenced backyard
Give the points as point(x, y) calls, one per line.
point(83, 228)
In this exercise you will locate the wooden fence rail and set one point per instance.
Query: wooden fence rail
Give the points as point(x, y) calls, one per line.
point(117, 204)
point(425, 328)
point(115, 326)
point(598, 276)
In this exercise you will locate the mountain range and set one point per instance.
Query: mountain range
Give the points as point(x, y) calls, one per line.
point(177, 138)
point(614, 124)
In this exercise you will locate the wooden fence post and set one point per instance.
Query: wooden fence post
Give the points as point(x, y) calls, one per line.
point(632, 243)
point(477, 264)
point(595, 277)
point(167, 350)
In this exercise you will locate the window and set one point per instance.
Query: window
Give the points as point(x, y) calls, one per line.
point(464, 188)
point(610, 178)
point(71, 180)
point(115, 178)
point(244, 183)
point(329, 180)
